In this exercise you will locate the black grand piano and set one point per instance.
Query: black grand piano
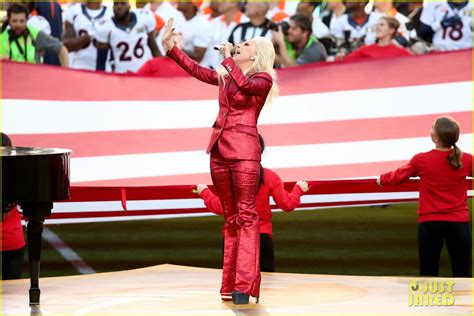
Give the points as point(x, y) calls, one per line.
point(34, 178)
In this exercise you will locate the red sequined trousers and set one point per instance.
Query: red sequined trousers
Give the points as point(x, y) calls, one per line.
point(236, 184)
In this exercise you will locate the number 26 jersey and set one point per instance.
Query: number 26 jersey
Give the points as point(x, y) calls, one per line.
point(129, 45)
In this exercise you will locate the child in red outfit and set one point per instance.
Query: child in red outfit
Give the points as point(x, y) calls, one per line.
point(270, 185)
point(443, 212)
point(13, 241)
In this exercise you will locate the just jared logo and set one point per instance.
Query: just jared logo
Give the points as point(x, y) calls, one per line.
point(430, 293)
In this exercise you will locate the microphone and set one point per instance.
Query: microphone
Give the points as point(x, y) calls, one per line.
point(220, 48)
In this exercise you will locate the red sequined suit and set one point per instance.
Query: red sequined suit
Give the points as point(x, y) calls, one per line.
point(235, 167)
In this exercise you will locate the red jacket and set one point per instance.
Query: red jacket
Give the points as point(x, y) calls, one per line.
point(161, 67)
point(443, 190)
point(12, 232)
point(376, 51)
point(241, 98)
point(271, 186)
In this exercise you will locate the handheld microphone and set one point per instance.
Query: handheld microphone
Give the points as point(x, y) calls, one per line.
point(220, 48)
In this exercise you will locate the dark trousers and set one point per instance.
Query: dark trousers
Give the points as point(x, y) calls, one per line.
point(12, 264)
point(431, 237)
point(267, 253)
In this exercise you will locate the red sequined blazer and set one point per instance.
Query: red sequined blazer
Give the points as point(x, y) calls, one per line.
point(241, 98)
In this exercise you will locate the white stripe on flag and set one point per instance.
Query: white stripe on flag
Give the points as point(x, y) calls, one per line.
point(143, 205)
point(94, 116)
point(131, 205)
point(191, 162)
point(49, 221)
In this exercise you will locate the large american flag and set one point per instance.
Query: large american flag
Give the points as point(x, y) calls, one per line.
point(331, 121)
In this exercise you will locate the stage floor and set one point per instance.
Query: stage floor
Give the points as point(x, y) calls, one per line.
point(178, 290)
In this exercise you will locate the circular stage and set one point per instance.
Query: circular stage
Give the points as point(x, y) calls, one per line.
point(170, 289)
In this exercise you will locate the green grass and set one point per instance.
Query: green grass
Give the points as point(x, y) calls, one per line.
point(355, 241)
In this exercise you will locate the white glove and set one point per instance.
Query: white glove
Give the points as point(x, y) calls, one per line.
point(200, 188)
point(303, 185)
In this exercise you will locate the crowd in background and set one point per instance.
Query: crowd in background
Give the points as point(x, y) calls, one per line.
point(115, 37)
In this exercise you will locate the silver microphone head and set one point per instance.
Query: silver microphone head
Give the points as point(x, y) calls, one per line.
point(221, 49)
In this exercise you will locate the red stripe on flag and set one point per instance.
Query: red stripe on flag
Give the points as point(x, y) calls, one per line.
point(91, 194)
point(86, 194)
point(73, 85)
point(156, 141)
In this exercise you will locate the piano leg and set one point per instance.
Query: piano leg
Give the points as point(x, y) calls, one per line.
point(36, 214)
point(34, 232)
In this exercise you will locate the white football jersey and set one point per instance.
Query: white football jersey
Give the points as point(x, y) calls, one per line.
point(196, 32)
point(290, 6)
point(451, 38)
point(403, 25)
point(85, 21)
point(346, 23)
point(220, 31)
point(320, 29)
point(129, 45)
point(69, 11)
point(167, 11)
point(40, 23)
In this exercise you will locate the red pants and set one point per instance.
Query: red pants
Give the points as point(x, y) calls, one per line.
point(236, 184)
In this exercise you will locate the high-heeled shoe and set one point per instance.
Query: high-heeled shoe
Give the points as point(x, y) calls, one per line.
point(239, 298)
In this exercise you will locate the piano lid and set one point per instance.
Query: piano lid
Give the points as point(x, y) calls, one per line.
point(32, 151)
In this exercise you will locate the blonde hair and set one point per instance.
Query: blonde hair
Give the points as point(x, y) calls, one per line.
point(264, 60)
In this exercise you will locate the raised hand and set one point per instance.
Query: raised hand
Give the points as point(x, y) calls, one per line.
point(168, 42)
point(278, 37)
point(227, 49)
